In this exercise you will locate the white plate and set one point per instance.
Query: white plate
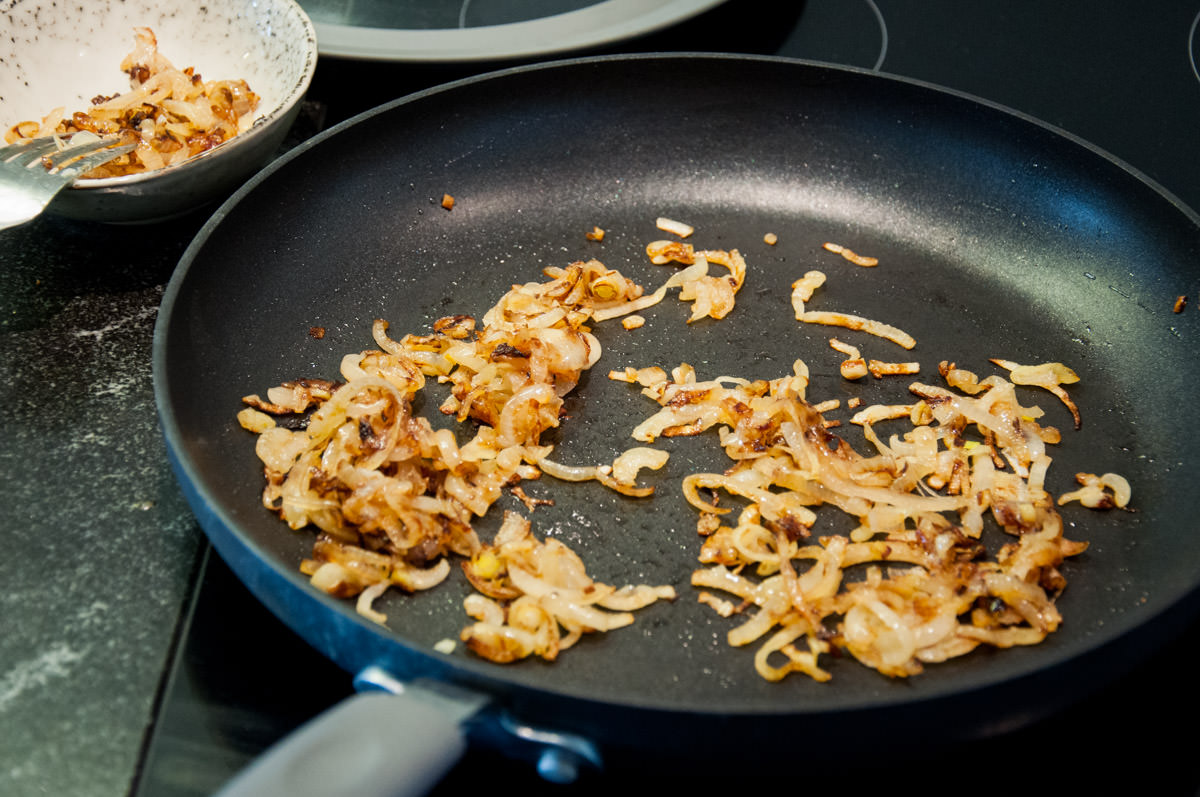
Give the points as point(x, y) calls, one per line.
point(601, 23)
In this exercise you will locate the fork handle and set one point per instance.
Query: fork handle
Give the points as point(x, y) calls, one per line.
point(16, 207)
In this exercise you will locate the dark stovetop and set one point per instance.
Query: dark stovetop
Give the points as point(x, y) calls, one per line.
point(1118, 75)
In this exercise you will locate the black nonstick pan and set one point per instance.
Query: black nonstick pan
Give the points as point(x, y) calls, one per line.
point(996, 236)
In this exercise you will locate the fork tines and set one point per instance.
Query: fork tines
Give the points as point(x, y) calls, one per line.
point(72, 158)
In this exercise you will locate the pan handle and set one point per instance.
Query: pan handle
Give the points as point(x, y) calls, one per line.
point(373, 744)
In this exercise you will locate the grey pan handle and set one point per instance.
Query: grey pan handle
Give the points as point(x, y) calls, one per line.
point(374, 744)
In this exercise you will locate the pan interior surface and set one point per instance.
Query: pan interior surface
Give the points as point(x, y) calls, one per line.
point(996, 237)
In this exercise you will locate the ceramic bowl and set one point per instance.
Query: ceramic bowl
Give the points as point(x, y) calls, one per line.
point(57, 54)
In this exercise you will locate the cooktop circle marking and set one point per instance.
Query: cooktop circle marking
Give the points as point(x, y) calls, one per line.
point(1192, 45)
point(883, 34)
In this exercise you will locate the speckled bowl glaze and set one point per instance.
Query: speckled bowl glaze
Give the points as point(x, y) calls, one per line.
point(56, 54)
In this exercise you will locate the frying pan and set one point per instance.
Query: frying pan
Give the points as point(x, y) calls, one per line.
point(997, 236)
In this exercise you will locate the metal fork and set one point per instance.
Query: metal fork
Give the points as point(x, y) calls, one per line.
point(33, 171)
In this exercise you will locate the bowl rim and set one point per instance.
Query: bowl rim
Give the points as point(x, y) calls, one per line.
point(293, 96)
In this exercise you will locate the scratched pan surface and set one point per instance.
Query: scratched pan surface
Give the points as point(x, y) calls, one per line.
point(996, 236)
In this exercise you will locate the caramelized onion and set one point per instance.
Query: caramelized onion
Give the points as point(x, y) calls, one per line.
point(171, 114)
point(941, 595)
point(912, 582)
